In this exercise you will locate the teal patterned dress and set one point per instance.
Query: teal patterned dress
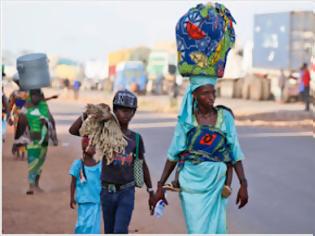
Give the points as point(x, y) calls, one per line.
point(202, 153)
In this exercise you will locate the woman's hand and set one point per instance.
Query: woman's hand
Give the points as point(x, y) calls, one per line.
point(72, 203)
point(242, 196)
point(159, 195)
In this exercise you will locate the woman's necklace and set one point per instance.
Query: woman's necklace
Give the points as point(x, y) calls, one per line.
point(207, 118)
point(206, 114)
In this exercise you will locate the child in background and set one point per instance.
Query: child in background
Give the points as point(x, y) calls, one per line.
point(85, 190)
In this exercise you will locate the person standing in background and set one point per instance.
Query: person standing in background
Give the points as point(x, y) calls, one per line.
point(17, 99)
point(5, 109)
point(305, 80)
point(76, 89)
point(33, 126)
point(281, 83)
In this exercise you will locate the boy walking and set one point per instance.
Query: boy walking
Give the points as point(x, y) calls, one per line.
point(118, 181)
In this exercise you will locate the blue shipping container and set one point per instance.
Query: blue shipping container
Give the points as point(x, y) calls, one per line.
point(283, 40)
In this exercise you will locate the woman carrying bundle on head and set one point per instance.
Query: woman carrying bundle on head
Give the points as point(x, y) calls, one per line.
point(205, 145)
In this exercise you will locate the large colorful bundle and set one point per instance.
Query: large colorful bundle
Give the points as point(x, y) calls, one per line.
point(204, 36)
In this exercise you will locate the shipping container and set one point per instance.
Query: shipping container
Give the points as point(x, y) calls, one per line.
point(283, 40)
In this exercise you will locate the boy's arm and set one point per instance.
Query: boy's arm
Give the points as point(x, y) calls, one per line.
point(147, 177)
point(75, 127)
point(148, 183)
point(168, 169)
point(72, 191)
point(146, 173)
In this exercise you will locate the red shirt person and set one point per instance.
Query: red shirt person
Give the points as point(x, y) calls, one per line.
point(306, 78)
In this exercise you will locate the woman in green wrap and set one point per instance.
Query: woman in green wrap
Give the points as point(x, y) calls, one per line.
point(33, 124)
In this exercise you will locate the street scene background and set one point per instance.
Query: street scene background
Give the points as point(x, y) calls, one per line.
point(97, 48)
point(277, 140)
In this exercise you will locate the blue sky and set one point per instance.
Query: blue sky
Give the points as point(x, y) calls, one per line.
point(84, 30)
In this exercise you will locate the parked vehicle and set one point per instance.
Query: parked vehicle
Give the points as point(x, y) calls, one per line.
point(131, 75)
point(161, 71)
point(66, 69)
point(116, 57)
point(95, 74)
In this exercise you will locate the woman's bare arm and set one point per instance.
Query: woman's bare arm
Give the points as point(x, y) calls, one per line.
point(242, 195)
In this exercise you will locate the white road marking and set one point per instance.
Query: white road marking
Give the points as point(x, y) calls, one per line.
point(149, 116)
point(62, 129)
point(279, 134)
point(153, 125)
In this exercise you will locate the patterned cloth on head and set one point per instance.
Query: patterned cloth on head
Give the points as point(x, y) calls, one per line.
point(204, 36)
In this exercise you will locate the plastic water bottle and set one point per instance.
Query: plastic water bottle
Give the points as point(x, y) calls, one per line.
point(159, 209)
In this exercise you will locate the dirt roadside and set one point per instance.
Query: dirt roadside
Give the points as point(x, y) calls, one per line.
point(49, 212)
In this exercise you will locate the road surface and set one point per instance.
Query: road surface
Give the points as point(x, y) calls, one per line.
point(279, 166)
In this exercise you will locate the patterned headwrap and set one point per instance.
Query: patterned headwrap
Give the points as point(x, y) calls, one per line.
point(204, 36)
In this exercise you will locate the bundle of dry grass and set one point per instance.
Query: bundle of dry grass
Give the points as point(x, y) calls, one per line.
point(104, 131)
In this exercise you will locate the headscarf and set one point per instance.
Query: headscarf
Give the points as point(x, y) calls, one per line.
point(187, 107)
point(204, 36)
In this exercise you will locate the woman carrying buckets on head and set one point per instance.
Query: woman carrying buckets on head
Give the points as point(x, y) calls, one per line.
point(34, 118)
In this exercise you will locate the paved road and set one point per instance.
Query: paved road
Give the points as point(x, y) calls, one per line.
point(280, 170)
